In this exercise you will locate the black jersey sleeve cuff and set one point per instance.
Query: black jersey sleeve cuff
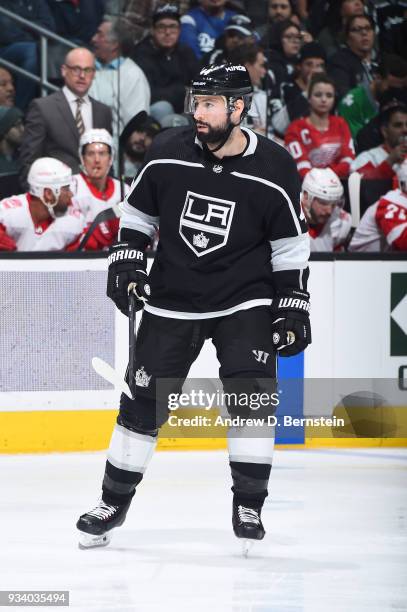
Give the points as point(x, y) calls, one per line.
point(136, 239)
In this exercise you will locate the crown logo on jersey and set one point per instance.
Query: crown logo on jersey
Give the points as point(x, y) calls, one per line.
point(142, 378)
point(217, 168)
point(200, 240)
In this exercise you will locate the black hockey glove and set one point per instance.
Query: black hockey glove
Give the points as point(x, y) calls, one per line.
point(127, 264)
point(291, 325)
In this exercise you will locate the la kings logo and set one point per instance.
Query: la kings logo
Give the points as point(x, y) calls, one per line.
point(205, 222)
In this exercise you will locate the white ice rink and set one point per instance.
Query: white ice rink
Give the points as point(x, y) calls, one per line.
point(336, 538)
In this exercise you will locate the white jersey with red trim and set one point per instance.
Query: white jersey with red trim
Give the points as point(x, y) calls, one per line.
point(313, 148)
point(90, 200)
point(50, 235)
point(373, 164)
point(333, 234)
point(383, 227)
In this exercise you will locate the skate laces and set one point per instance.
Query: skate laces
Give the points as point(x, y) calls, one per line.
point(248, 515)
point(103, 511)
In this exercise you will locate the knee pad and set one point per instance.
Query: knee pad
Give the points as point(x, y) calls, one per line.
point(142, 414)
point(248, 396)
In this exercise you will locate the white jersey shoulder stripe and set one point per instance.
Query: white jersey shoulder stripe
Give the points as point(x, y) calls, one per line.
point(395, 197)
point(160, 161)
point(290, 253)
point(278, 188)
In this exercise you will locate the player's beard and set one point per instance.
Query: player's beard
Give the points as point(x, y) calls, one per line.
point(213, 135)
point(135, 155)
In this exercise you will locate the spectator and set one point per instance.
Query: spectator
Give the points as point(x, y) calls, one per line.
point(257, 11)
point(202, 25)
point(77, 20)
point(370, 135)
point(322, 202)
point(118, 82)
point(278, 10)
point(135, 12)
point(7, 89)
point(283, 53)
point(168, 66)
point(321, 140)
point(253, 58)
point(390, 16)
point(332, 36)
point(135, 140)
point(55, 123)
point(238, 32)
point(19, 46)
point(378, 163)
point(361, 103)
point(42, 219)
point(383, 227)
point(94, 191)
point(11, 135)
point(292, 103)
point(354, 63)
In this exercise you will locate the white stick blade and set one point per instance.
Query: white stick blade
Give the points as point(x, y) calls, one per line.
point(110, 375)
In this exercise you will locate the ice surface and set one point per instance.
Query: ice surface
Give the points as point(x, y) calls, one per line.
point(336, 539)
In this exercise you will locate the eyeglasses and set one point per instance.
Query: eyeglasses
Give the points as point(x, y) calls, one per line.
point(361, 30)
point(174, 27)
point(77, 70)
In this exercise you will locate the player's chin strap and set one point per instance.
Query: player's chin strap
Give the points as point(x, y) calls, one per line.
point(50, 209)
point(230, 109)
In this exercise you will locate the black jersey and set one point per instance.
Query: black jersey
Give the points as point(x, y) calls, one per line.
point(231, 230)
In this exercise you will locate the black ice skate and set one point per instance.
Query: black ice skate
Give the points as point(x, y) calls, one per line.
point(96, 525)
point(247, 525)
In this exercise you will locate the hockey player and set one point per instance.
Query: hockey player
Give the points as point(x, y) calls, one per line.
point(42, 219)
point(383, 227)
point(322, 202)
point(231, 265)
point(95, 191)
point(380, 162)
point(321, 140)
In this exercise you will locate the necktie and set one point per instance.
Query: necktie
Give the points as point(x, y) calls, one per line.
point(78, 116)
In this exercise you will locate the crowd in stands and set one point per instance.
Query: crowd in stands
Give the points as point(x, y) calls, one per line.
point(329, 80)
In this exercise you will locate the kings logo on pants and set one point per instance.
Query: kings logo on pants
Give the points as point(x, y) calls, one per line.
point(205, 222)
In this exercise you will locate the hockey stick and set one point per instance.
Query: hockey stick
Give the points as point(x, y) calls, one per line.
point(354, 197)
point(104, 215)
point(132, 337)
point(111, 375)
point(106, 371)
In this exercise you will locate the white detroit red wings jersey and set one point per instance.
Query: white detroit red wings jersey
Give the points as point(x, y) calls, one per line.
point(383, 227)
point(332, 235)
point(373, 164)
point(49, 235)
point(90, 200)
point(312, 148)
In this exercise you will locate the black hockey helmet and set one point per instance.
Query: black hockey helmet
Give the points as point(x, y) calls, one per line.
point(231, 81)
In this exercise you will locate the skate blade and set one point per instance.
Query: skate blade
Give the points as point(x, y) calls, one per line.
point(247, 545)
point(87, 540)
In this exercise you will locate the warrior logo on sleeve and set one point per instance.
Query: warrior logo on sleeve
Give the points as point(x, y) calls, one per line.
point(205, 222)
